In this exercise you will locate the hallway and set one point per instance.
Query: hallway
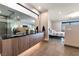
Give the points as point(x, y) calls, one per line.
point(54, 47)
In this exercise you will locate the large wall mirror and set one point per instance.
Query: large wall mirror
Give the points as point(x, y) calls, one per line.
point(14, 22)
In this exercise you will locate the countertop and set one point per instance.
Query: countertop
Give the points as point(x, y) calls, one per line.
point(14, 36)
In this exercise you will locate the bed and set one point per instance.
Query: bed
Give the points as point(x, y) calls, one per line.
point(55, 33)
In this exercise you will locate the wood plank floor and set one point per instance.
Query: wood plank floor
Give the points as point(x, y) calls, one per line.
point(55, 47)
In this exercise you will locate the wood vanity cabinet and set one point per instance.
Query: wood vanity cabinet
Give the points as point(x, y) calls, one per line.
point(15, 49)
point(23, 44)
point(31, 41)
point(34, 39)
point(10, 47)
point(15, 46)
point(0, 46)
point(6, 47)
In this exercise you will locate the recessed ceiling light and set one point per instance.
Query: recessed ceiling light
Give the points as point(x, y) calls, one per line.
point(39, 7)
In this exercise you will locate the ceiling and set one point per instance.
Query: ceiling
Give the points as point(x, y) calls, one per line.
point(46, 6)
point(57, 11)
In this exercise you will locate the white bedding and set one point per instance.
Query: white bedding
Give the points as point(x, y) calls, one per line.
point(55, 33)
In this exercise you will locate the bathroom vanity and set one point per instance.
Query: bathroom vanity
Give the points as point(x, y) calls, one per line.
point(18, 44)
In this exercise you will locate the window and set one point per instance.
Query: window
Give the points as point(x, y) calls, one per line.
point(69, 23)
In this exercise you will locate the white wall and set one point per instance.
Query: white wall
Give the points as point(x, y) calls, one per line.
point(44, 22)
point(54, 19)
point(57, 15)
point(41, 21)
point(72, 35)
point(56, 25)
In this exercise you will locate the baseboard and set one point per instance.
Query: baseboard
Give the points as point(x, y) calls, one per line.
point(71, 46)
point(45, 40)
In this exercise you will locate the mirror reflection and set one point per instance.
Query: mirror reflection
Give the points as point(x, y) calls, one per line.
point(14, 23)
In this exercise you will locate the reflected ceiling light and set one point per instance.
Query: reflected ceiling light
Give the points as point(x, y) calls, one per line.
point(18, 18)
